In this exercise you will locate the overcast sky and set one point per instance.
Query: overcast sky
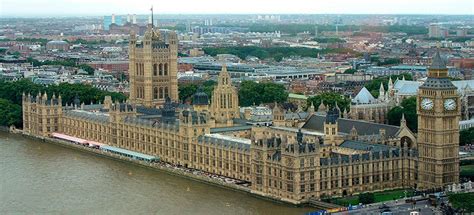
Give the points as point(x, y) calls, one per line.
point(105, 7)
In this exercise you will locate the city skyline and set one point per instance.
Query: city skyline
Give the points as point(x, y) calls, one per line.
point(30, 8)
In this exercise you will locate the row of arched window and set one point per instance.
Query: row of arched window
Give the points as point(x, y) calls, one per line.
point(160, 92)
point(140, 93)
point(158, 69)
point(139, 68)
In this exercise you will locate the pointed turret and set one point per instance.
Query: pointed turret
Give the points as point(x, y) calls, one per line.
point(311, 109)
point(353, 132)
point(437, 62)
point(438, 67)
point(381, 92)
point(403, 122)
point(322, 107)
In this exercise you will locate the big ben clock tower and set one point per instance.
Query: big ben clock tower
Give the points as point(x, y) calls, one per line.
point(438, 128)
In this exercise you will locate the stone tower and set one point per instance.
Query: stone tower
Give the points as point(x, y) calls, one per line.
point(153, 68)
point(438, 108)
point(41, 114)
point(225, 100)
point(331, 128)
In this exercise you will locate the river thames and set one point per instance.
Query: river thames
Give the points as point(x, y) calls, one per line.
point(41, 178)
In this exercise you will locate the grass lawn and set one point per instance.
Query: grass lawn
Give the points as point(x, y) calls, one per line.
point(467, 170)
point(462, 201)
point(379, 197)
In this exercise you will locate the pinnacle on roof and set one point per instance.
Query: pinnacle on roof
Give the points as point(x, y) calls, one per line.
point(403, 121)
point(321, 107)
point(437, 62)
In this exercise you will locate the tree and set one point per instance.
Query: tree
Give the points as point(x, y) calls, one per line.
point(68, 63)
point(186, 91)
point(466, 136)
point(366, 198)
point(87, 68)
point(350, 71)
point(277, 53)
point(11, 113)
point(389, 61)
point(330, 99)
point(408, 107)
point(12, 93)
point(257, 93)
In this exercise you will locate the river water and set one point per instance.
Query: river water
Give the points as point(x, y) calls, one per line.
point(41, 178)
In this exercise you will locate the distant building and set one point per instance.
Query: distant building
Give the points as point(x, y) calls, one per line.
point(57, 44)
point(435, 30)
point(297, 99)
point(108, 20)
point(111, 66)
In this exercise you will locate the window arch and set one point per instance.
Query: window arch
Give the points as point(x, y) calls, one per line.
point(165, 69)
point(161, 93)
point(155, 92)
point(166, 92)
point(155, 69)
point(161, 69)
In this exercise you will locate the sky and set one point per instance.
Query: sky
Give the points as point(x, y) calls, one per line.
point(31, 8)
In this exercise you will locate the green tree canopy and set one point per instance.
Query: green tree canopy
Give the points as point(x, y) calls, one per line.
point(408, 107)
point(11, 96)
point(389, 61)
point(257, 93)
point(12, 91)
point(466, 136)
point(330, 99)
point(11, 113)
point(67, 63)
point(277, 53)
point(350, 71)
point(186, 91)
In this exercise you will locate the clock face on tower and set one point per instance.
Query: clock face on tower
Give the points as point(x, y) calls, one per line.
point(427, 104)
point(449, 104)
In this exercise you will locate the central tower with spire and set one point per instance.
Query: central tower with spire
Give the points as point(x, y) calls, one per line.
point(153, 67)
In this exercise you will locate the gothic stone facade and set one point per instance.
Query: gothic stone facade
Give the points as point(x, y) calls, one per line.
point(327, 156)
point(153, 68)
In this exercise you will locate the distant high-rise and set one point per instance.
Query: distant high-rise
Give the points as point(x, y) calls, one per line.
point(435, 30)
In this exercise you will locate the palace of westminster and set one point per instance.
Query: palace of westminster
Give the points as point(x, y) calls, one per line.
point(319, 154)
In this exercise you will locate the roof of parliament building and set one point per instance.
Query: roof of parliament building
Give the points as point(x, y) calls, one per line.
point(316, 122)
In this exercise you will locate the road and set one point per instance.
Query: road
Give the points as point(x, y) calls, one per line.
point(399, 207)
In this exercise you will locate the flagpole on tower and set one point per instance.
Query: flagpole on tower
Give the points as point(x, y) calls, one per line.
point(152, 20)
